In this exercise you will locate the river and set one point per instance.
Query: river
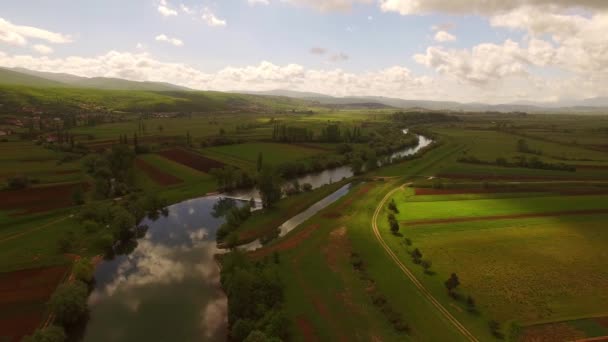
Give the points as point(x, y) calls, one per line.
point(167, 288)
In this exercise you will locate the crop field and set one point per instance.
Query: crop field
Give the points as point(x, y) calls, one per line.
point(36, 162)
point(38, 199)
point(273, 154)
point(522, 270)
point(23, 296)
point(191, 159)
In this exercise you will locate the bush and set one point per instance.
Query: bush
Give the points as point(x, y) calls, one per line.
point(69, 303)
point(494, 327)
point(83, 270)
point(18, 182)
point(306, 187)
point(49, 334)
point(393, 206)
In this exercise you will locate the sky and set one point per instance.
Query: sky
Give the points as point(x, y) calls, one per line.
point(493, 51)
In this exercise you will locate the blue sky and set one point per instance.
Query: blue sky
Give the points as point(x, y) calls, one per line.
point(498, 53)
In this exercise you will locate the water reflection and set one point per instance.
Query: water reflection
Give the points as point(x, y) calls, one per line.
point(167, 289)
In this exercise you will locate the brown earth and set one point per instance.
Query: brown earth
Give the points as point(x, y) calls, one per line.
point(506, 217)
point(23, 295)
point(319, 306)
point(551, 333)
point(603, 321)
point(306, 329)
point(191, 159)
point(288, 243)
point(39, 199)
point(156, 174)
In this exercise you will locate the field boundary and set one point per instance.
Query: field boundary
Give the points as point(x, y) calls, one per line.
point(426, 293)
point(506, 217)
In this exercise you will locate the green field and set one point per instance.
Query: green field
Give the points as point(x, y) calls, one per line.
point(518, 270)
point(273, 153)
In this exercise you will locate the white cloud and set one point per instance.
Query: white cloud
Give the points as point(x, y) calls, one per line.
point(186, 9)
point(489, 73)
point(484, 7)
point(443, 36)
point(320, 5)
point(166, 39)
point(42, 49)
point(211, 20)
point(165, 9)
point(19, 34)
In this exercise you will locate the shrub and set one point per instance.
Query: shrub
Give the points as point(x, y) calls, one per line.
point(49, 334)
point(18, 182)
point(69, 303)
point(83, 270)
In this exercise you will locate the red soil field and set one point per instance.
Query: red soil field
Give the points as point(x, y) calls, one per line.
point(191, 159)
point(306, 329)
point(38, 199)
point(23, 295)
point(506, 217)
point(156, 174)
point(430, 191)
point(288, 243)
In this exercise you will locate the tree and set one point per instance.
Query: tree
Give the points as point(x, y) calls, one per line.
point(470, 303)
point(393, 206)
point(452, 283)
point(494, 327)
point(426, 264)
point(416, 256)
point(356, 166)
point(69, 302)
point(394, 226)
point(83, 270)
point(522, 146)
point(51, 333)
point(260, 161)
point(269, 184)
point(78, 195)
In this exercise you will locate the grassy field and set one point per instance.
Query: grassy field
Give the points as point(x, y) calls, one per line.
point(328, 300)
point(273, 153)
point(522, 270)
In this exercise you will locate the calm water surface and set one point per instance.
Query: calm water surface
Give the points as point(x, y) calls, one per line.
point(167, 288)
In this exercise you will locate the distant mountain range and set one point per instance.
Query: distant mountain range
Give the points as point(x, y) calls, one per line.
point(31, 78)
point(26, 77)
point(597, 105)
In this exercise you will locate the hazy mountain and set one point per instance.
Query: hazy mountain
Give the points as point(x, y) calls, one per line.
point(68, 80)
point(287, 93)
point(8, 76)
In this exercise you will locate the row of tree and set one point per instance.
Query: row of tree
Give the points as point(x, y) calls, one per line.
point(256, 298)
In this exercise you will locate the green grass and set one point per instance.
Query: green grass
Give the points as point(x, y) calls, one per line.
point(410, 210)
point(524, 270)
point(273, 153)
point(264, 222)
point(41, 236)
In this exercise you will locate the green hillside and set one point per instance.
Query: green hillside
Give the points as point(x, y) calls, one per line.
point(98, 82)
point(66, 100)
point(16, 78)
